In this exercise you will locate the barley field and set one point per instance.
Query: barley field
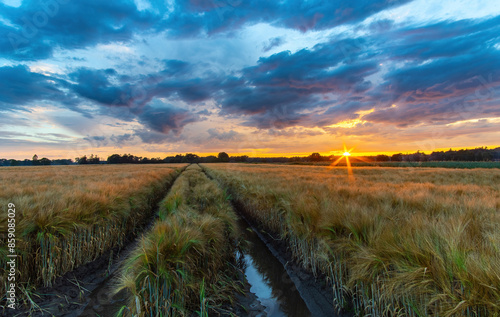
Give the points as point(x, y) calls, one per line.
point(185, 264)
point(69, 215)
point(389, 241)
point(395, 241)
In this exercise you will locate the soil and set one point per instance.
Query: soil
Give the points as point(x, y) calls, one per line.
point(69, 294)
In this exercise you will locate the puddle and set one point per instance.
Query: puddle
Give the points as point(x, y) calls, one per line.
point(269, 280)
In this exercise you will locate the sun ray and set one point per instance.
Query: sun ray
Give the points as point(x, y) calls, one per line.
point(363, 159)
point(335, 163)
point(349, 169)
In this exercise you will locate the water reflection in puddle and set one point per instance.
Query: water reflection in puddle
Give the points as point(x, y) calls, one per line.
point(269, 280)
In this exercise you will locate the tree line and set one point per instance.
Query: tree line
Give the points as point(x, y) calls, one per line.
point(179, 158)
point(480, 154)
point(35, 161)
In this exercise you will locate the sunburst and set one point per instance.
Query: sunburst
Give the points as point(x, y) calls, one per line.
point(345, 155)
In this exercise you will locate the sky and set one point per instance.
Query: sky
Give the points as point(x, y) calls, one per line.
point(260, 78)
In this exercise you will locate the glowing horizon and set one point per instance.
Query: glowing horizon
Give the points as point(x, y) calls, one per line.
point(104, 155)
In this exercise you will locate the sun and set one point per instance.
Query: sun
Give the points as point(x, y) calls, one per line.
point(345, 155)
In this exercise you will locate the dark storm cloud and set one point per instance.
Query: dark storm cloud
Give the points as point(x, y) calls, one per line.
point(310, 69)
point(445, 77)
point(94, 84)
point(41, 26)
point(175, 67)
point(107, 87)
point(14, 45)
point(189, 90)
point(192, 17)
point(166, 118)
point(19, 86)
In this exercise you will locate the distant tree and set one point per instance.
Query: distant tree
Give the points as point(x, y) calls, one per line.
point(210, 159)
point(179, 158)
point(397, 157)
point(129, 158)
point(242, 158)
point(315, 157)
point(190, 158)
point(114, 159)
point(487, 156)
point(45, 161)
point(223, 157)
point(94, 159)
point(171, 159)
point(14, 162)
point(382, 158)
point(437, 156)
point(62, 162)
point(35, 160)
point(81, 160)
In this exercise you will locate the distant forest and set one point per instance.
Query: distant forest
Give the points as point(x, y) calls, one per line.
point(481, 154)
